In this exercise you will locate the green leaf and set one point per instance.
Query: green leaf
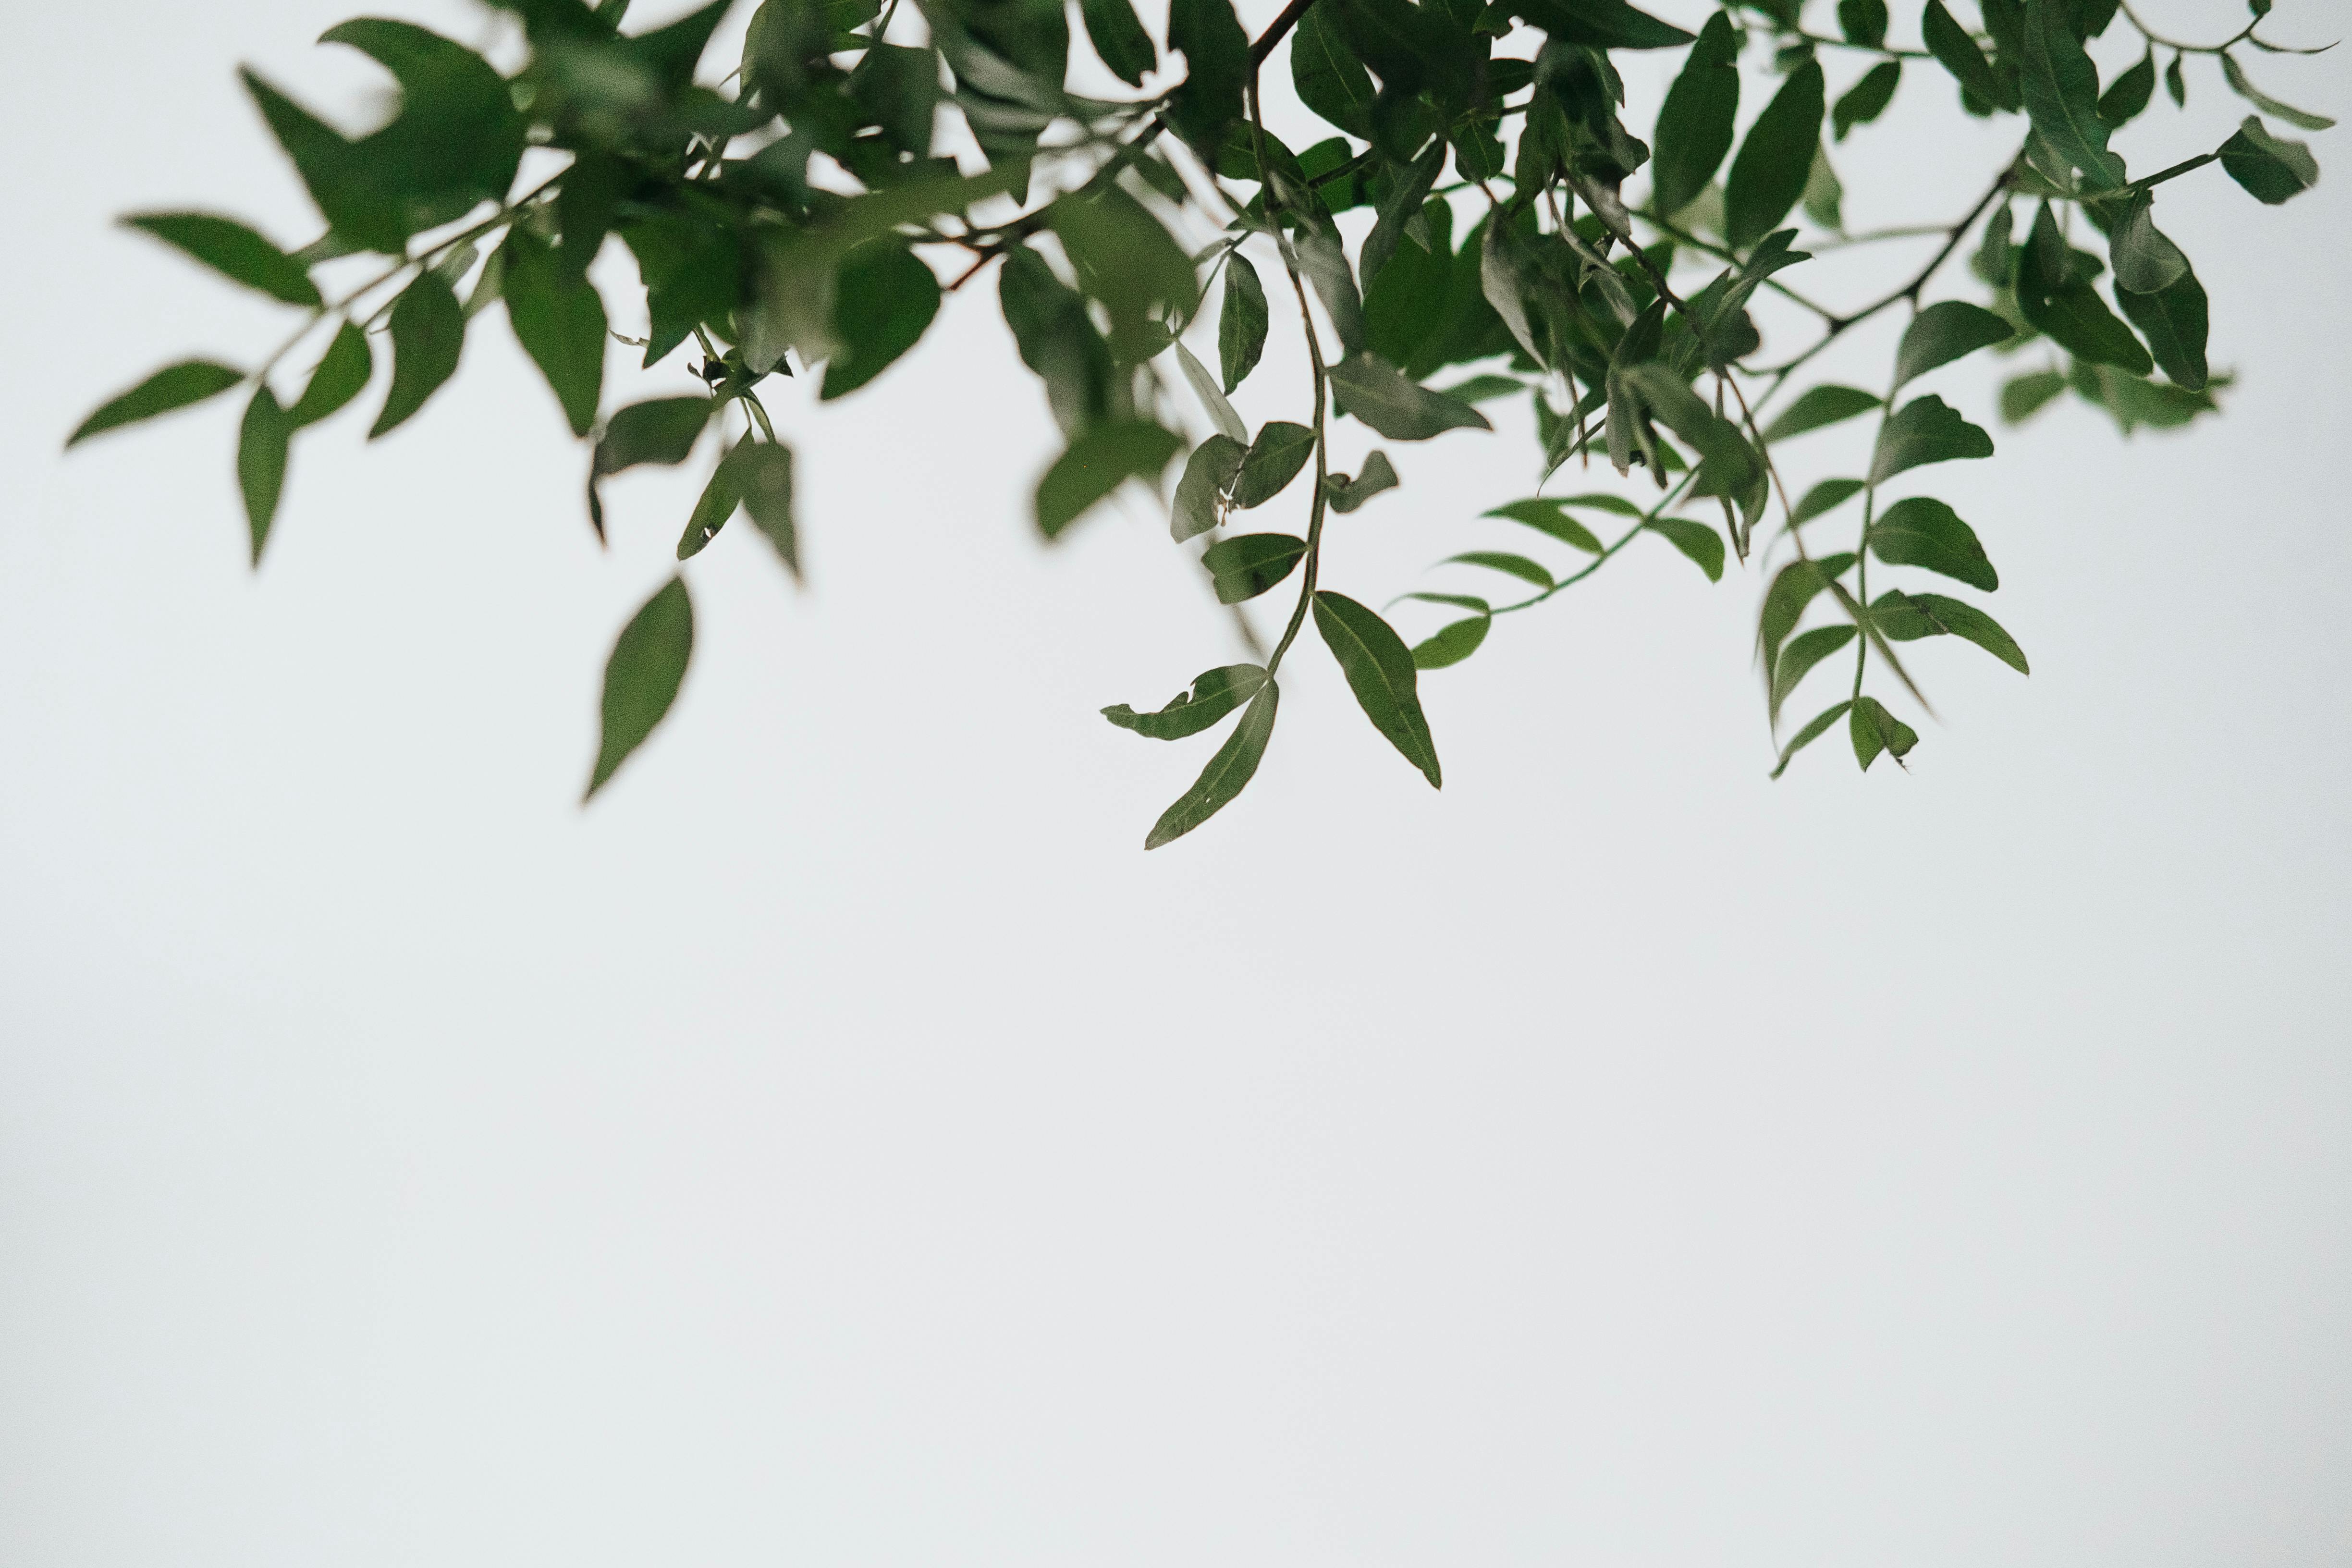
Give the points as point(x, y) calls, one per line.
point(1958, 53)
point(1227, 773)
point(1863, 22)
point(2145, 261)
point(1502, 561)
point(1927, 430)
point(2271, 168)
point(1098, 463)
point(1695, 127)
point(884, 301)
point(2173, 319)
point(1056, 340)
point(229, 247)
point(1943, 332)
point(2061, 88)
point(1208, 473)
point(1247, 564)
point(1728, 465)
point(1204, 388)
point(1126, 259)
point(561, 325)
point(1380, 671)
point(1817, 406)
point(1484, 388)
point(1241, 324)
point(1330, 79)
point(1805, 650)
point(712, 510)
point(759, 473)
point(1120, 39)
point(1599, 502)
point(2023, 396)
point(2174, 86)
point(1769, 171)
point(1402, 409)
point(1794, 587)
point(1326, 266)
point(642, 676)
point(1696, 539)
point(1824, 200)
point(1813, 730)
point(342, 374)
point(261, 445)
point(427, 332)
point(1347, 494)
point(1602, 24)
point(2134, 400)
point(1272, 461)
point(2269, 105)
point(1452, 644)
point(1825, 497)
point(1217, 64)
point(1214, 694)
point(1906, 617)
point(660, 430)
point(173, 386)
point(1921, 532)
point(1874, 730)
point(2078, 321)
point(1866, 99)
point(2127, 97)
point(1549, 517)
point(1407, 195)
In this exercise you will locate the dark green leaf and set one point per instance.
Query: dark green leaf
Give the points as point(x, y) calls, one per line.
point(1214, 693)
point(1817, 406)
point(1098, 463)
point(1217, 64)
point(1380, 671)
point(1452, 644)
point(1825, 497)
point(712, 509)
point(2136, 400)
point(1272, 461)
point(2023, 396)
point(2061, 88)
point(1347, 494)
point(229, 247)
point(2174, 86)
point(1459, 601)
point(1813, 730)
point(761, 474)
point(1728, 465)
point(1502, 561)
point(885, 301)
point(1805, 650)
point(660, 430)
point(1906, 617)
point(560, 324)
point(1207, 474)
point(1863, 22)
point(1408, 189)
point(2271, 168)
point(1056, 341)
point(1127, 259)
point(2123, 101)
point(1874, 730)
point(342, 374)
point(2078, 320)
point(1604, 23)
point(2269, 105)
point(1696, 539)
point(1695, 127)
point(1927, 430)
point(1943, 332)
point(1958, 54)
point(1120, 39)
point(261, 463)
point(1247, 564)
point(2145, 261)
point(1601, 502)
point(586, 207)
point(173, 386)
point(1549, 517)
point(2173, 319)
point(1769, 173)
point(1794, 586)
point(1330, 79)
point(1921, 532)
point(1377, 393)
point(1227, 772)
point(642, 676)
point(427, 332)
point(1866, 99)
point(1241, 324)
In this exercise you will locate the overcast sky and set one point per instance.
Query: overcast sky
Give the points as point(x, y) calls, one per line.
point(841, 1145)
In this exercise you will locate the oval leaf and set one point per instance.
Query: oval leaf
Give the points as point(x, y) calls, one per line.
point(642, 676)
point(1380, 671)
point(1248, 564)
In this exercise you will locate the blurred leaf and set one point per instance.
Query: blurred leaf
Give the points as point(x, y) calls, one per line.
point(2145, 261)
point(1927, 430)
point(2269, 105)
point(2173, 319)
point(1863, 22)
point(1402, 409)
point(1247, 564)
point(1824, 203)
point(1906, 617)
point(261, 445)
point(1214, 694)
point(1502, 561)
point(173, 386)
point(1922, 532)
point(1241, 324)
point(1483, 388)
point(712, 510)
point(2061, 88)
point(1452, 644)
point(1098, 463)
point(1551, 517)
point(1943, 332)
point(2023, 396)
point(1227, 773)
point(1866, 99)
point(1769, 173)
point(1794, 587)
point(1950, 44)
point(885, 301)
point(2173, 86)
point(1217, 64)
point(1696, 539)
point(1602, 24)
point(342, 374)
point(1204, 387)
point(1826, 496)
point(2271, 168)
point(1120, 39)
point(759, 473)
point(229, 247)
point(1380, 671)
point(642, 676)
point(1329, 79)
point(1874, 730)
point(1817, 406)
point(1695, 127)
point(2127, 97)
point(1407, 195)
point(1347, 494)
point(660, 430)
point(561, 325)
point(1805, 650)
point(1207, 473)
point(1326, 266)
point(1127, 259)
point(1272, 461)
point(427, 332)
point(1813, 730)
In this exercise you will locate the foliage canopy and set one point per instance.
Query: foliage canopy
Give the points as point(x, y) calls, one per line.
point(806, 213)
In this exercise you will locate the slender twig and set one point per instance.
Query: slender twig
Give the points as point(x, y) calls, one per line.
point(1313, 563)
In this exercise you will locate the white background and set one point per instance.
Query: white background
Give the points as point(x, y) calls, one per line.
point(842, 1145)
